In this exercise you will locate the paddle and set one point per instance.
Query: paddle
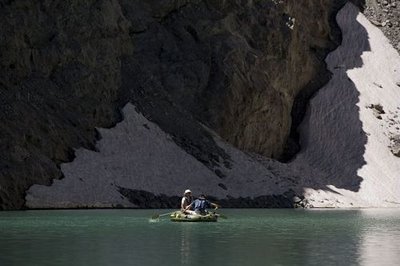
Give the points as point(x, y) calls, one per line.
point(218, 214)
point(156, 216)
point(222, 216)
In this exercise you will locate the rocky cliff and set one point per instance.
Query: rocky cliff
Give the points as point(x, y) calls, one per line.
point(60, 78)
point(212, 93)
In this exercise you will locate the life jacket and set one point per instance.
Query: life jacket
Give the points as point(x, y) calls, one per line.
point(200, 205)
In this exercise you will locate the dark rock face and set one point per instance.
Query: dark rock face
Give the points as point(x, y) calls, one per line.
point(144, 199)
point(243, 68)
point(60, 74)
point(238, 68)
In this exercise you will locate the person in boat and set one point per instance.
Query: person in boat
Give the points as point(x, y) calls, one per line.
point(187, 199)
point(201, 204)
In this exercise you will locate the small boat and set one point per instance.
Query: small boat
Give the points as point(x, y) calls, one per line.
point(178, 216)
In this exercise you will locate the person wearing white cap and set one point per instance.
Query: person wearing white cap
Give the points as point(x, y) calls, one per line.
point(187, 199)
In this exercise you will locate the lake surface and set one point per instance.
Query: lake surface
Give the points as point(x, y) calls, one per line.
point(247, 237)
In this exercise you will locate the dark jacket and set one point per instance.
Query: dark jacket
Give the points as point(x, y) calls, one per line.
point(200, 205)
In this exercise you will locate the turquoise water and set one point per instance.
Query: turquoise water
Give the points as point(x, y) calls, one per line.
point(247, 237)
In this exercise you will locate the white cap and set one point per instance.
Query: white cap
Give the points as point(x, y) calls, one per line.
point(188, 191)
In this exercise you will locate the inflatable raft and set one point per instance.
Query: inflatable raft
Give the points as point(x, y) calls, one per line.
point(178, 216)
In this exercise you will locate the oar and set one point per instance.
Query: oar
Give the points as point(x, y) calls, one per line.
point(156, 216)
point(222, 216)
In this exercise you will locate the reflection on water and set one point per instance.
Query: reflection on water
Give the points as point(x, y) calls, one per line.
point(247, 237)
point(380, 238)
point(186, 244)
